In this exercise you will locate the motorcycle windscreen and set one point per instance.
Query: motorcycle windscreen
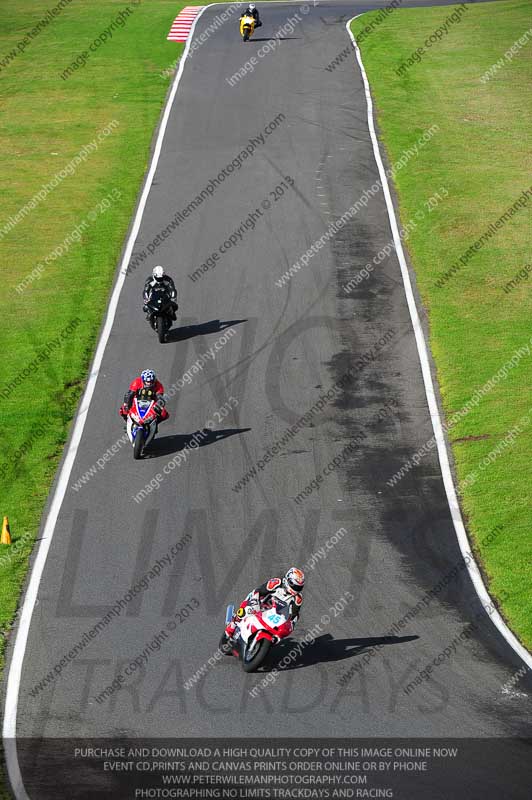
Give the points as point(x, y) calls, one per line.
point(159, 298)
point(143, 406)
point(277, 615)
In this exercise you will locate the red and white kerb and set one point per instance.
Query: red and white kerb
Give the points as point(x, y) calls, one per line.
point(182, 24)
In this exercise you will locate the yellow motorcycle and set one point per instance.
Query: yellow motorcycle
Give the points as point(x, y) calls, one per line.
point(247, 27)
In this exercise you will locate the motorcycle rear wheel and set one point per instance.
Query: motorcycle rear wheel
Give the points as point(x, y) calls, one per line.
point(246, 36)
point(258, 657)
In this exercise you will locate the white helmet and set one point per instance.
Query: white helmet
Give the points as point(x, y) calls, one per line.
point(251, 6)
point(294, 580)
point(158, 273)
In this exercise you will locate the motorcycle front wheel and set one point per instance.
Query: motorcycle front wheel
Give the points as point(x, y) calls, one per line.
point(161, 329)
point(224, 646)
point(139, 442)
point(254, 657)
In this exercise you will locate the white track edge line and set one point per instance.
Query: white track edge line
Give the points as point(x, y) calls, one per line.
point(463, 541)
point(13, 679)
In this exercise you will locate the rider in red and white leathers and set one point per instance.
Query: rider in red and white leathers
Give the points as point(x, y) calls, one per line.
point(145, 387)
point(287, 589)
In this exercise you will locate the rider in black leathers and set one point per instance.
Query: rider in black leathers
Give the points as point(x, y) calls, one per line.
point(158, 278)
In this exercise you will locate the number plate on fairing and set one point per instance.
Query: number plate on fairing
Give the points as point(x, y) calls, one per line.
point(272, 617)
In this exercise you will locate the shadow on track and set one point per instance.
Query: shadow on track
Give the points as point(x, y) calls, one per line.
point(204, 328)
point(325, 648)
point(167, 445)
point(274, 38)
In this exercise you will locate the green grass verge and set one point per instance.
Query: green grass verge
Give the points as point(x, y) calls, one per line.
point(47, 122)
point(481, 157)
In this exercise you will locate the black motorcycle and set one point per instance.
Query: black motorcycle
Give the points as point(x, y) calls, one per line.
point(160, 310)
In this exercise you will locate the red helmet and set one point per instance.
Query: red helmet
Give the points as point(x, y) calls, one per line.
point(294, 580)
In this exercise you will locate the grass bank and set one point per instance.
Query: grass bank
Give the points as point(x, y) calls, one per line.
point(468, 69)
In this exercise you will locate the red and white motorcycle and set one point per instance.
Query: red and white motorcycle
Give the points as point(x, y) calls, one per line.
point(141, 425)
point(257, 631)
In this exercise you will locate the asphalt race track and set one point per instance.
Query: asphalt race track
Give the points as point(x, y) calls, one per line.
point(279, 350)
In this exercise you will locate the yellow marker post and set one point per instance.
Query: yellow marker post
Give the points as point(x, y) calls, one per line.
point(5, 536)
